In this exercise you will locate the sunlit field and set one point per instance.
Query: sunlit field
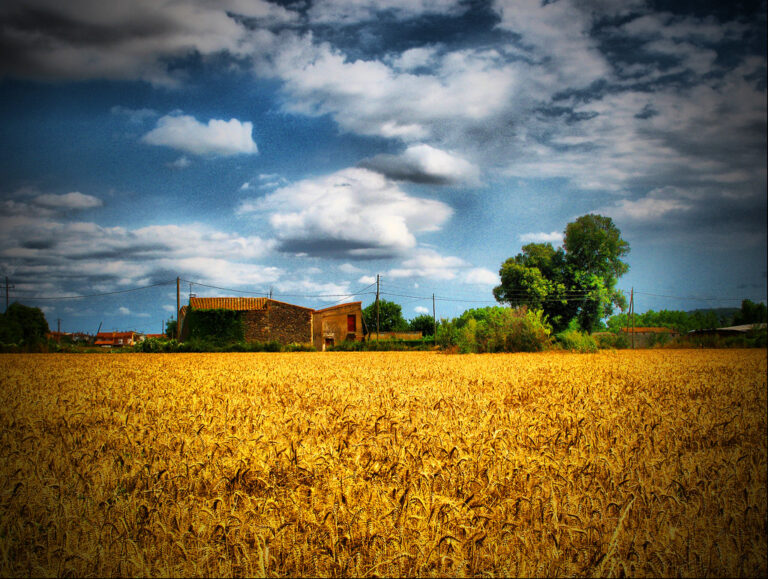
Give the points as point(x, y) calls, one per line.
point(637, 463)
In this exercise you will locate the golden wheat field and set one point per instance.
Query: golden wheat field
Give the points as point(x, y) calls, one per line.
point(634, 463)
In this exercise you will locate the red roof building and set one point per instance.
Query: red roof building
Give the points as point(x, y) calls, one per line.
point(115, 339)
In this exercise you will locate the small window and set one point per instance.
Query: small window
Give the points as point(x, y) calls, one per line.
point(351, 323)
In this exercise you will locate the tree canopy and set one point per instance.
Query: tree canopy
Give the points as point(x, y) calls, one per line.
point(577, 280)
point(423, 323)
point(23, 325)
point(750, 313)
point(390, 317)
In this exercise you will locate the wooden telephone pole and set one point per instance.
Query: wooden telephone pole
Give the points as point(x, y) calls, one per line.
point(7, 287)
point(434, 322)
point(377, 307)
point(631, 316)
point(178, 309)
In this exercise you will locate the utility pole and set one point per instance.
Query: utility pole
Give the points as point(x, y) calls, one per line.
point(632, 313)
point(434, 321)
point(6, 292)
point(178, 309)
point(58, 330)
point(377, 307)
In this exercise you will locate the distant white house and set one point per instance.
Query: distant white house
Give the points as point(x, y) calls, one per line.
point(728, 330)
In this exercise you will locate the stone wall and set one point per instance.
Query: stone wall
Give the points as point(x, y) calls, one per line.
point(282, 322)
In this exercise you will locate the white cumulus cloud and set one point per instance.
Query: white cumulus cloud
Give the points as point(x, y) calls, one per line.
point(654, 205)
point(217, 137)
point(430, 264)
point(354, 212)
point(423, 163)
point(555, 237)
point(481, 276)
point(74, 200)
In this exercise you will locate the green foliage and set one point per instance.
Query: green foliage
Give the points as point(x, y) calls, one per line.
point(752, 339)
point(157, 346)
point(423, 323)
point(681, 321)
point(593, 245)
point(750, 313)
point(170, 329)
point(608, 340)
point(382, 346)
point(390, 317)
point(23, 326)
point(576, 341)
point(152, 345)
point(218, 326)
point(576, 281)
point(495, 329)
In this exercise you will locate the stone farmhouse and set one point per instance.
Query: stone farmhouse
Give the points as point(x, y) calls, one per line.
point(266, 320)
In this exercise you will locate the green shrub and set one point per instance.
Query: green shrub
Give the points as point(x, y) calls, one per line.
point(495, 329)
point(297, 347)
point(609, 340)
point(154, 346)
point(757, 338)
point(576, 341)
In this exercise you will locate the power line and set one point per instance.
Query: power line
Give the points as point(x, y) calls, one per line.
point(281, 294)
point(357, 293)
point(692, 298)
point(226, 289)
point(135, 289)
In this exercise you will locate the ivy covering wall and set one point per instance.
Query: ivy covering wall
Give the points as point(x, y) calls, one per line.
point(219, 325)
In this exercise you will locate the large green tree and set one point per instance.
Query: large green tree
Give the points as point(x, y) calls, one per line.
point(23, 325)
point(390, 317)
point(750, 313)
point(423, 323)
point(577, 280)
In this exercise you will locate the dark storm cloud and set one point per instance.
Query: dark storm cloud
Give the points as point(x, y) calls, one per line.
point(333, 248)
point(82, 39)
point(39, 244)
point(399, 169)
point(51, 25)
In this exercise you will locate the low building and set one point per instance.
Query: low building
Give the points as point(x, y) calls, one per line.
point(267, 320)
point(115, 339)
point(337, 324)
point(264, 320)
point(727, 331)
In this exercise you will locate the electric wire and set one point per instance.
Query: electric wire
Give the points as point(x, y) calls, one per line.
point(96, 295)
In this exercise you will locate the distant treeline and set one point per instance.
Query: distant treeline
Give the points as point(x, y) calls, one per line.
point(683, 322)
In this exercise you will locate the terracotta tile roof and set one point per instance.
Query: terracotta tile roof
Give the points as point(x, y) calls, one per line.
point(110, 335)
point(239, 304)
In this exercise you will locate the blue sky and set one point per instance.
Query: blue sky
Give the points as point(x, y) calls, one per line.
point(305, 147)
